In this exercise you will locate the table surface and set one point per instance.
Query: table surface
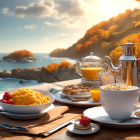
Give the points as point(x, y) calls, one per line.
point(103, 133)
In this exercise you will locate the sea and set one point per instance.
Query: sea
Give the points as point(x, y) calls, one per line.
point(43, 59)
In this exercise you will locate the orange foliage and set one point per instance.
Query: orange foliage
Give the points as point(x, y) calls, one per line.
point(78, 48)
point(53, 66)
point(112, 28)
point(102, 24)
point(20, 54)
point(81, 47)
point(105, 34)
point(93, 38)
point(137, 0)
point(104, 45)
point(87, 44)
point(90, 31)
point(117, 52)
point(99, 31)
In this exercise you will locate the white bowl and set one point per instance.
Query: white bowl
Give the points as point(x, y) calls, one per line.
point(28, 109)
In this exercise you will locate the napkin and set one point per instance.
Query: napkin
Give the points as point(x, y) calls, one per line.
point(33, 125)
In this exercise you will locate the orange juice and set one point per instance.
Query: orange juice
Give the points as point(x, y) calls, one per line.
point(91, 72)
point(95, 94)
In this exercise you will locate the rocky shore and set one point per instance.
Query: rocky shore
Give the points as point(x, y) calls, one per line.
point(23, 59)
point(41, 75)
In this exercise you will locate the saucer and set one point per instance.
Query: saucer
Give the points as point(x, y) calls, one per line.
point(94, 128)
point(26, 117)
point(78, 95)
point(98, 114)
point(88, 103)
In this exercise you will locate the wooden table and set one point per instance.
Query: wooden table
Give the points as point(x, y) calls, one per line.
point(62, 134)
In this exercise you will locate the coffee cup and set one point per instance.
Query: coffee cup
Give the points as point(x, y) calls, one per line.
point(119, 104)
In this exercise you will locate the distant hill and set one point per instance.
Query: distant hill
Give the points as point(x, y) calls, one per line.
point(101, 38)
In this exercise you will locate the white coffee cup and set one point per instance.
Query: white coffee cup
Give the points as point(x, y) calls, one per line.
point(119, 104)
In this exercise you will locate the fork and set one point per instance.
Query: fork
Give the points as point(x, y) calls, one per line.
point(49, 131)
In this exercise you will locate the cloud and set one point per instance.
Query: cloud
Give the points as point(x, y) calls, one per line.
point(42, 29)
point(62, 34)
point(70, 23)
point(30, 26)
point(50, 24)
point(65, 10)
point(45, 38)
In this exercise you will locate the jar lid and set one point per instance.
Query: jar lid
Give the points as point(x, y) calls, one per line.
point(91, 58)
point(128, 44)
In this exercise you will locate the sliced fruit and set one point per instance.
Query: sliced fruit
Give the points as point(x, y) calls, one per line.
point(4, 101)
point(10, 101)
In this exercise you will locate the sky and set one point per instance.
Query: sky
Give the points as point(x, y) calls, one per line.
point(41, 26)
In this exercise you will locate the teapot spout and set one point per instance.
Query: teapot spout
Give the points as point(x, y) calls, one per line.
point(78, 67)
point(112, 68)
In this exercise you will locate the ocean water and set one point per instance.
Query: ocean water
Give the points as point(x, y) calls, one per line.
point(43, 60)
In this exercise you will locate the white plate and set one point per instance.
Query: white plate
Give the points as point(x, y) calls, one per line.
point(94, 128)
point(98, 114)
point(78, 95)
point(88, 103)
point(29, 116)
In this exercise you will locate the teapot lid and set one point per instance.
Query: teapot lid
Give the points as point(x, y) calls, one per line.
point(91, 58)
point(129, 44)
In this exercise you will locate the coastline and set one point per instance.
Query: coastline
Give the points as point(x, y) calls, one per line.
point(41, 75)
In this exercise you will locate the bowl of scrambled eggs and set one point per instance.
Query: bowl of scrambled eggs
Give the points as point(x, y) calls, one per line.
point(28, 101)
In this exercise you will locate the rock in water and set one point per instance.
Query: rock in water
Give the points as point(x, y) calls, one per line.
point(21, 82)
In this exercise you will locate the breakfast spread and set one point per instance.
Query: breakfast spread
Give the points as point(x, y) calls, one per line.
point(83, 123)
point(25, 96)
point(72, 89)
point(118, 86)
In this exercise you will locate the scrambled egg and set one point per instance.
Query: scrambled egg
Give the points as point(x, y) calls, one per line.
point(27, 96)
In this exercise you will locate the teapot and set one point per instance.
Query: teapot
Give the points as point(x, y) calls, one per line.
point(90, 67)
point(128, 65)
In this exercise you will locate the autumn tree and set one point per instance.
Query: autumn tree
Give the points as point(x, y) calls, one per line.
point(118, 51)
point(94, 38)
point(20, 54)
point(112, 28)
point(53, 66)
point(105, 34)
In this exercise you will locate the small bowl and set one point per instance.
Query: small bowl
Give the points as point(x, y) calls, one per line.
point(28, 109)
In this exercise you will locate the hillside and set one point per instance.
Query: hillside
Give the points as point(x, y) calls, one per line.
point(102, 37)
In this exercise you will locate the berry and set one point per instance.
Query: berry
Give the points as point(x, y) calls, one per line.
point(10, 101)
point(4, 101)
point(85, 120)
point(6, 96)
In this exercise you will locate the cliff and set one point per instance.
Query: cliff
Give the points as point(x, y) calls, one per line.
point(101, 38)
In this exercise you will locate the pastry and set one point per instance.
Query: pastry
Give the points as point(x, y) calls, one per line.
point(72, 89)
point(82, 123)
